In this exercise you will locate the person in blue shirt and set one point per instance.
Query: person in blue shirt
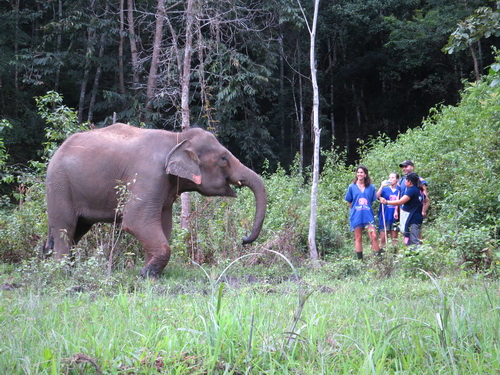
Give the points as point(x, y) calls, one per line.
point(388, 216)
point(360, 195)
point(408, 167)
point(412, 204)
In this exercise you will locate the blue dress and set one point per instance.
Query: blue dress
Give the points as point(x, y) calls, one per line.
point(361, 213)
point(390, 195)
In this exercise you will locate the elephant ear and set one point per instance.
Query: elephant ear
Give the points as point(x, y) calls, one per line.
point(184, 163)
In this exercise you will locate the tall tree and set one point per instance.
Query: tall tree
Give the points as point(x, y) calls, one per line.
point(313, 251)
point(484, 23)
point(185, 84)
point(155, 57)
point(134, 51)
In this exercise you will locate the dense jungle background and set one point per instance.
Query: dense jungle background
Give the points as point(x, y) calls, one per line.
point(381, 66)
point(393, 74)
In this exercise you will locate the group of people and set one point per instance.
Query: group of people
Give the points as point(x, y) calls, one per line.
point(403, 206)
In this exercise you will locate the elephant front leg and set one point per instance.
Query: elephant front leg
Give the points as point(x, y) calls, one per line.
point(155, 244)
point(156, 261)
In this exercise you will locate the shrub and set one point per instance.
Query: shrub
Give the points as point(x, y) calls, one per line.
point(23, 229)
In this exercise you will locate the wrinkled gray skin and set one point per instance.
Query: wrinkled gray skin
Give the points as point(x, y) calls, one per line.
point(158, 165)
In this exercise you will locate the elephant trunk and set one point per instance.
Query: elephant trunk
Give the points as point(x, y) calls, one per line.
point(255, 183)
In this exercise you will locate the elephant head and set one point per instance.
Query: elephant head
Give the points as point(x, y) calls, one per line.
point(204, 165)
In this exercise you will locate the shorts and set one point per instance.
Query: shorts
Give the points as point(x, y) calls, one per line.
point(390, 227)
point(366, 226)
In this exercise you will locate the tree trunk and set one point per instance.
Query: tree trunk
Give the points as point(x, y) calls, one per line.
point(299, 111)
point(16, 51)
point(282, 91)
point(332, 59)
point(476, 64)
point(185, 81)
point(86, 73)
point(133, 44)
point(121, 70)
point(57, 79)
point(313, 252)
point(186, 66)
point(97, 79)
point(155, 59)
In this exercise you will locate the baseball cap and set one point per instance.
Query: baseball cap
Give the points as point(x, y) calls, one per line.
point(406, 163)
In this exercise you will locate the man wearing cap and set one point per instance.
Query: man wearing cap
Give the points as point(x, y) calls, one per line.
point(407, 168)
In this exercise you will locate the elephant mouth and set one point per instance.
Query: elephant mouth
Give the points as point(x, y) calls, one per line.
point(231, 191)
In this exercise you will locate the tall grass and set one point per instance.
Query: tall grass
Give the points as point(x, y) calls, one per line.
point(362, 325)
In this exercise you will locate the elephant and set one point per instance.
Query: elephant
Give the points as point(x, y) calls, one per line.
point(156, 166)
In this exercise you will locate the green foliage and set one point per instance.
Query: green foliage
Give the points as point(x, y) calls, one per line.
point(62, 119)
point(4, 124)
point(333, 211)
point(23, 228)
point(484, 23)
point(217, 225)
point(5, 175)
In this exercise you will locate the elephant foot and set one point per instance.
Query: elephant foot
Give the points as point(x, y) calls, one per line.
point(152, 271)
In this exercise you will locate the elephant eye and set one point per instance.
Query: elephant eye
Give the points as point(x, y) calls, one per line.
point(223, 161)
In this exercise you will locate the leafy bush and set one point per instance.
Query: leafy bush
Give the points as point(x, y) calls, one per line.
point(22, 229)
point(4, 124)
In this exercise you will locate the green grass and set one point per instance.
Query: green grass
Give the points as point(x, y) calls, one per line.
point(260, 320)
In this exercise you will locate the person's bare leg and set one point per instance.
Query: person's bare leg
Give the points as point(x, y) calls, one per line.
point(358, 242)
point(372, 233)
point(394, 236)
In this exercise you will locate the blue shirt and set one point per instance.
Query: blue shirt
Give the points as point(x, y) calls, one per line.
point(402, 184)
point(387, 218)
point(414, 205)
point(361, 213)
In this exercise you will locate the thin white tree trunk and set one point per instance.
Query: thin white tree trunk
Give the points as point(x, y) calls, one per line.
point(185, 80)
point(313, 252)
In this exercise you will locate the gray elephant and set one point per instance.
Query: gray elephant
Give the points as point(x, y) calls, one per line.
point(157, 166)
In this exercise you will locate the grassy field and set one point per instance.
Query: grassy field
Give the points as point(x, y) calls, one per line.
point(256, 319)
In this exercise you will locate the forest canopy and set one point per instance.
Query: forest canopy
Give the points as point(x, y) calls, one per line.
point(381, 67)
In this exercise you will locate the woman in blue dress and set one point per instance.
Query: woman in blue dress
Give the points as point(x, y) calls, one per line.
point(360, 195)
point(388, 218)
